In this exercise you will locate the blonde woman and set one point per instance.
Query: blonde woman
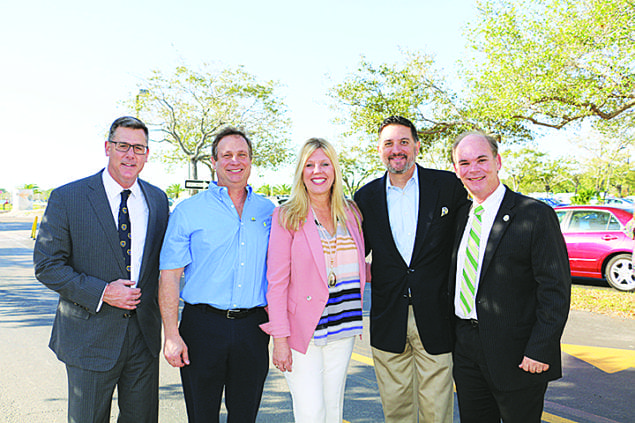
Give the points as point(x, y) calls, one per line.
point(316, 273)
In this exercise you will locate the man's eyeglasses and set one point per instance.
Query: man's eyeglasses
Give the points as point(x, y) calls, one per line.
point(123, 147)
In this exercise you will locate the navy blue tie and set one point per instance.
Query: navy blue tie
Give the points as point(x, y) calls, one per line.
point(125, 238)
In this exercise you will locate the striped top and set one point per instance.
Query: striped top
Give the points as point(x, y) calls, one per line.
point(342, 316)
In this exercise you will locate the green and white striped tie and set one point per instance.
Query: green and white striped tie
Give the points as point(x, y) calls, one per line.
point(467, 293)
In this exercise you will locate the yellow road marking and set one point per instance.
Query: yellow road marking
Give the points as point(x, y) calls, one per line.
point(609, 360)
point(551, 418)
point(363, 359)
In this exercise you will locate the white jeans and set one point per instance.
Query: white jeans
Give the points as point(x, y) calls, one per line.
point(318, 379)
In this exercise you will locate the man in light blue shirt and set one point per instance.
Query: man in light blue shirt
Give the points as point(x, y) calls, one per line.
point(218, 239)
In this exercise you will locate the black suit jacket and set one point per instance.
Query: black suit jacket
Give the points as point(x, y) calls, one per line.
point(77, 253)
point(524, 291)
point(441, 195)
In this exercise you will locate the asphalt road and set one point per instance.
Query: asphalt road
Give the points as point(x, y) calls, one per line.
point(599, 360)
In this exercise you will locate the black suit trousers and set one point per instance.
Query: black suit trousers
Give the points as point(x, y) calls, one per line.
point(479, 401)
point(225, 354)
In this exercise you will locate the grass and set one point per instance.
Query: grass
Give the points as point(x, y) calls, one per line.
point(604, 301)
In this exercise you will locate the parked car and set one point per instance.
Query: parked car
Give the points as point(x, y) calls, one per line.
point(597, 243)
point(551, 201)
point(618, 202)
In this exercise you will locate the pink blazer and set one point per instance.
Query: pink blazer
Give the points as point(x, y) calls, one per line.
point(296, 271)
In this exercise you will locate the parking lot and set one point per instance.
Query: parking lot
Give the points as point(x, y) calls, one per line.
point(598, 359)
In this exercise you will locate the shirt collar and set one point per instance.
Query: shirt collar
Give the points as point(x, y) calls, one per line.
point(113, 189)
point(493, 202)
point(414, 179)
point(213, 187)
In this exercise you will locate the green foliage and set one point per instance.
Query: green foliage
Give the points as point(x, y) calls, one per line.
point(530, 170)
point(609, 150)
point(282, 189)
point(583, 196)
point(358, 163)
point(266, 190)
point(414, 89)
point(553, 62)
point(174, 190)
point(190, 107)
point(34, 187)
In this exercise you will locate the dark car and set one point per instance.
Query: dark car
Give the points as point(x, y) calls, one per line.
point(597, 243)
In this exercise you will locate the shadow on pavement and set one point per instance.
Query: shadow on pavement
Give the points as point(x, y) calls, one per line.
point(23, 303)
point(605, 396)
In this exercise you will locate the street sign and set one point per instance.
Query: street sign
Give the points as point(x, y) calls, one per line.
point(196, 184)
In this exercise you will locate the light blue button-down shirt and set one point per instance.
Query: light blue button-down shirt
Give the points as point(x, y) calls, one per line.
point(224, 255)
point(403, 214)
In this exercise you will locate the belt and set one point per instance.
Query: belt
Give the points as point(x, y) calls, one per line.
point(130, 313)
point(471, 322)
point(234, 313)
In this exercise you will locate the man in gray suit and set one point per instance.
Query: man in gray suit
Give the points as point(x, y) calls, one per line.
point(98, 248)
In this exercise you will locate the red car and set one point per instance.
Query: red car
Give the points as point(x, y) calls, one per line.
point(597, 243)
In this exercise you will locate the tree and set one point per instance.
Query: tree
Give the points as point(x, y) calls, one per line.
point(413, 89)
point(416, 90)
point(358, 163)
point(174, 190)
point(190, 107)
point(266, 190)
point(281, 189)
point(531, 170)
point(607, 164)
point(553, 62)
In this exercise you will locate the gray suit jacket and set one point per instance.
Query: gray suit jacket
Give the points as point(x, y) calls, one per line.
point(77, 254)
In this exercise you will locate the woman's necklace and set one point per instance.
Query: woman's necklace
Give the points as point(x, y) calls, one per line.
point(332, 250)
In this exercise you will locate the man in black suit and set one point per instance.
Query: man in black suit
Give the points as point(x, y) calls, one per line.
point(98, 248)
point(511, 286)
point(409, 225)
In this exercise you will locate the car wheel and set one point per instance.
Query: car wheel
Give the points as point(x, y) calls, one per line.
point(619, 272)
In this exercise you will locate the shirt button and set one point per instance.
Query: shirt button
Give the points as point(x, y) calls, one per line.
point(242, 243)
point(242, 264)
point(308, 298)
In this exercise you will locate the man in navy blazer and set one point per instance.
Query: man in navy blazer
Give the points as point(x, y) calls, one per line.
point(409, 226)
point(511, 286)
point(107, 327)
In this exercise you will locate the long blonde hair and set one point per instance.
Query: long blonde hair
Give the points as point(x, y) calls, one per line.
point(294, 212)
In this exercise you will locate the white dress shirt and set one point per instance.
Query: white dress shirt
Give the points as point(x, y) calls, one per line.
point(490, 206)
point(403, 213)
point(138, 210)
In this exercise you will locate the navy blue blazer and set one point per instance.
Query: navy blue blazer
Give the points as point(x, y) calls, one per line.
point(441, 195)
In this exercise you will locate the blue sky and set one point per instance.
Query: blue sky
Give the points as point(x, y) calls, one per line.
point(68, 64)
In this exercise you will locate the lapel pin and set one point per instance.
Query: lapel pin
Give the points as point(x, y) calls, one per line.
point(253, 219)
point(505, 218)
point(444, 211)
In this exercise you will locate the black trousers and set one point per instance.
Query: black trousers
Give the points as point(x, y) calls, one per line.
point(479, 401)
point(225, 354)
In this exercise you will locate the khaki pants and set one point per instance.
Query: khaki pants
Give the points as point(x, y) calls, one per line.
point(415, 381)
